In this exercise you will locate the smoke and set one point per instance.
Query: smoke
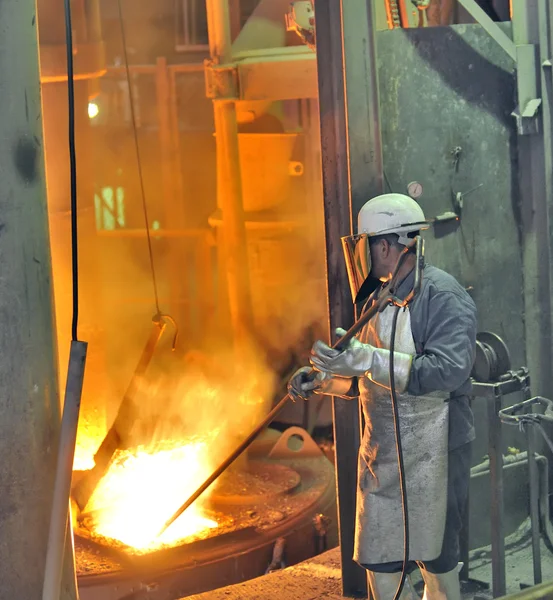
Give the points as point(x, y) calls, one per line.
point(204, 385)
point(212, 393)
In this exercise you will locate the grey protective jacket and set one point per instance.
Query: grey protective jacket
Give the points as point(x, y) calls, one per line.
point(443, 323)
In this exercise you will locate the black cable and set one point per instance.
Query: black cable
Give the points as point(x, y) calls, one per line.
point(137, 150)
point(72, 169)
point(543, 527)
point(400, 465)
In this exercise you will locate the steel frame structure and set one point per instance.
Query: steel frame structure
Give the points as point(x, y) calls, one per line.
point(352, 168)
point(352, 172)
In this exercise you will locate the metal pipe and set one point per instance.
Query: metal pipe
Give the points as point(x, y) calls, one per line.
point(499, 582)
point(60, 520)
point(351, 156)
point(534, 503)
point(218, 24)
point(229, 181)
point(151, 69)
point(162, 233)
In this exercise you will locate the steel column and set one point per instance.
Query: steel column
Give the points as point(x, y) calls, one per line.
point(534, 491)
point(495, 452)
point(361, 95)
point(29, 406)
point(352, 173)
point(229, 182)
point(530, 28)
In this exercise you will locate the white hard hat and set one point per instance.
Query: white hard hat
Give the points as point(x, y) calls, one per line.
point(391, 213)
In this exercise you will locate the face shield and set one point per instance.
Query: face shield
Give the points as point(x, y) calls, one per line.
point(357, 254)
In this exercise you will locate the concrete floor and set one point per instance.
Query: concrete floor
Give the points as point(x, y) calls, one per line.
point(316, 578)
point(518, 567)
point(319, 578)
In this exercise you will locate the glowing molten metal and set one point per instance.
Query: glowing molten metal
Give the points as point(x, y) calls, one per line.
point(143, 488)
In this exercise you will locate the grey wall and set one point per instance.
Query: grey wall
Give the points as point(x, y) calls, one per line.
point(439, 89)
point(446, 88)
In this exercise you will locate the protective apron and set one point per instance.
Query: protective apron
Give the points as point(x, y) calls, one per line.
point(424, 437)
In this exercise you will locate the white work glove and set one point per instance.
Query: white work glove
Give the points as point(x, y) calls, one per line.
point(353, 361)
point(304, 383)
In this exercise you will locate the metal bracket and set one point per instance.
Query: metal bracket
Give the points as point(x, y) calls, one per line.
point(527, 123)
point(284, 447)
point(221, 81)
point(491, 27)
point(527, 90)
point(513, 381)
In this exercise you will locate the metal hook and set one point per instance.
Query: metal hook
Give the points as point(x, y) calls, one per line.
point(169, 318)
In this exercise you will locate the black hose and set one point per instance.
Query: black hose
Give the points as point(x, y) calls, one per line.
point(400, 465)
point(72, 168)
point(544, 514)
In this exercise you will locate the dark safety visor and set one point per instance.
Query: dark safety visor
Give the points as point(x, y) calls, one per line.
point(357, 254)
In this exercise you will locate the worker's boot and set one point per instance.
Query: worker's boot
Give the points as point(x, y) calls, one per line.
point(384, 586)
point(441, 586)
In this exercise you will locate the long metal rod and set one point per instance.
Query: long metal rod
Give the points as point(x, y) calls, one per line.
point(165, 233)
point(464, 546)
point(229, 181)
point(59, 520)
point(534, 503)
point(495, 452)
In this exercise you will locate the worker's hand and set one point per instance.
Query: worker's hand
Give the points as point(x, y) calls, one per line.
point(304, 383)
point(352, 361)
